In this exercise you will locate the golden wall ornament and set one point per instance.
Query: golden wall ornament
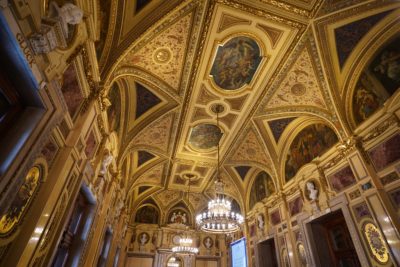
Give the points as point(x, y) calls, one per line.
point(21, 201)
point(377, 245)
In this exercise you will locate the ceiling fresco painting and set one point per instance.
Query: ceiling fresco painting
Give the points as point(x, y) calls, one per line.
point(143, 157)
point(205, 136)
point(377, 82)
point(236, 63)
point(242, 171)
point(145, 100)
point(270, 70)
point(348, 36)
point(310, 143)
point(278, 126)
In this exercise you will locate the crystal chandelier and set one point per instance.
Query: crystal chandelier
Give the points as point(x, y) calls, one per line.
point(219, 219)
point(185, 246)
point(185, 243)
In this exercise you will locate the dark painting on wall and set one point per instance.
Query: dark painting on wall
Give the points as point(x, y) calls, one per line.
point(235, 63)
point(71, 91)
point(262, 187)
point(114, 110)
point(147, 214)
point(386, 153)
point(395, 197)
point(295, 206)
point(342, 179)
point(378, 82)
point(311, 142)
point(389, 178)
point(361, 210)
point(278, 126)
point(275, 217)
point(91, 145)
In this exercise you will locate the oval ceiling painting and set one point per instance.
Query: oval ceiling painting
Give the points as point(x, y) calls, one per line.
point(205, 136)
point(235, 63)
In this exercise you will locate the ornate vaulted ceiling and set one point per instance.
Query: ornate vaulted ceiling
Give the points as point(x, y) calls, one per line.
point(276, 67)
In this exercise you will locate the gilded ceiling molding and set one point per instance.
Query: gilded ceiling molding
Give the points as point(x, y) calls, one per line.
point(154, 175)
point(263, 13)
point(140, 40)
point(164, 55)
point(156, 135)
point(228, 21)
point(105, 53)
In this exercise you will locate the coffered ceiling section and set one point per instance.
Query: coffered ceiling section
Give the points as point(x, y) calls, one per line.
point(241, 55)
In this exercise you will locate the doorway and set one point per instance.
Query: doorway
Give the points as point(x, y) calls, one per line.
point(333, 243)
point(267, 253)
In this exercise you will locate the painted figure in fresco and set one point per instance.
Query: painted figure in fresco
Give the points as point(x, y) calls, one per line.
point(235, 63)
point(310, 143)
point(173, 217)
point(312, 191)
point(389, 65)
point(366, 101)
point(262, 187)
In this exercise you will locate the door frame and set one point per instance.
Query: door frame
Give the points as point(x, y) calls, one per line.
point(277, 252)
point(305, 220)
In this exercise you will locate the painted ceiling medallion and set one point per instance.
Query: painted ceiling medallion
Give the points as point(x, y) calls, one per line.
point(205, 136)
point(376, 243)
point(162, 55)
point(236, 63)
point(298, 89)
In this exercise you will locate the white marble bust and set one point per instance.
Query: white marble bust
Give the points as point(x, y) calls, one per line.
point(260, 220)
point(68, 14)
point(312, 191)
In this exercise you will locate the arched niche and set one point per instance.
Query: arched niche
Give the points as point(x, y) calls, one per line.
point(378, 81)
point(311, 142)
point(262, 188)
point(148, 213)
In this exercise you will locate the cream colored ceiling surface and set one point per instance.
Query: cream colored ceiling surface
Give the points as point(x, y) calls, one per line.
point(259, 59)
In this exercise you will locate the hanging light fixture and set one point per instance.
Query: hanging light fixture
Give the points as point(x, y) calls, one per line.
point(186, 243)
point(219, 218)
